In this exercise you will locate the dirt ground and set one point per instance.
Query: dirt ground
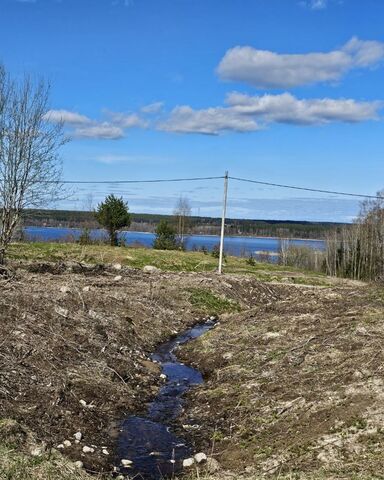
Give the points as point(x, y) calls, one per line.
point(295, 385)
point(74, 348)
point(294, 374)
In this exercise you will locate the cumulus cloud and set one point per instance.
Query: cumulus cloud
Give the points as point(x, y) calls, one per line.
point(266, 69)
point(65, 116)
point(81, 126)
point(102, 131)
point(210, 121)
point(286, 108)
point(127, 120)
point(246, 113)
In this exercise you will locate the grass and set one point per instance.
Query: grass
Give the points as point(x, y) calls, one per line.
point(209, 303)
point(19, 466)
point(174, 261)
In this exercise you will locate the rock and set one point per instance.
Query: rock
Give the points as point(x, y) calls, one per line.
point(151, 269)
point(88, 449)
point(117, 266)
point(227, 355)
point(268, 335)
point(105, 451)
point(37, 451)
point(65, 289)
point(83, 403)
point(78, 436)
point(126, 463)
point(118, 278)
point(188, 462)
point(200, 457)
point(60, 447)
point(67, 443)
point(63, 312)
point(212, 318)
point(79, 464)
point(213, 465)
point(87, 289)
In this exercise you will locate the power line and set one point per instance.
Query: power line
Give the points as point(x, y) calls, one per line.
point(193, 179)
point(293, 187)
point(116, 182)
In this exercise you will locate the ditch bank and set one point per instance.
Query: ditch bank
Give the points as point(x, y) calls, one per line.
point(75, 349)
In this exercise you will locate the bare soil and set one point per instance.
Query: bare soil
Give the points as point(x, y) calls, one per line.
point(294, 374)
point(295, 385)
point(73, 333)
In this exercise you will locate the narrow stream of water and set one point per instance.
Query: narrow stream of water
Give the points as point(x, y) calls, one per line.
point(155, 452)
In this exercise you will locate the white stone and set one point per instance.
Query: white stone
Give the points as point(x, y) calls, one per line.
point(88, 449)
point(60, 447)
point(65, 289)
point(67, 443)
point(117, 266)
point(227, 355)
point(78, 436)
point(37, 451)
point(79, 464)
point(150, 269)
point(105, 451)
point(126, 463)
point(83, 403)
point(188, 462)
point(163, 376)
point(118, 278)
point(200, 457)
point(86, 289)
point(63, 312)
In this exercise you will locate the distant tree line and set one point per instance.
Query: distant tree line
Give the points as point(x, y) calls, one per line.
point(190, 225)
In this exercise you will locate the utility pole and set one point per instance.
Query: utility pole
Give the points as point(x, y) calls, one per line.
point(223, 223)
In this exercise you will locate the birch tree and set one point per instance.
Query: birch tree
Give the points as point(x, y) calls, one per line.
point(30, 168)
point(182, 212)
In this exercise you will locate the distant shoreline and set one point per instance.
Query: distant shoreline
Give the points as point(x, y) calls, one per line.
point(190, 235)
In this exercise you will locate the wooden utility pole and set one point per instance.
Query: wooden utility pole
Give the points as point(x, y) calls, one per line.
point(223, 223)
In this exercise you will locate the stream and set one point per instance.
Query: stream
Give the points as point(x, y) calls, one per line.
point(155, 452)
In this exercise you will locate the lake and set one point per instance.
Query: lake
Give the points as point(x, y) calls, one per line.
point(237, 246)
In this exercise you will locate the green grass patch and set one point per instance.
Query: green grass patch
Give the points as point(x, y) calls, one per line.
point(166, 260)
point(209, 303)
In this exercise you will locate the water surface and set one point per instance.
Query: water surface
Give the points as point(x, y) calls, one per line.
point(148, 441)
point(237, 246)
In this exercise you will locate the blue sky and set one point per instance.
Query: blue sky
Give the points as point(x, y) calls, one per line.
point(286, 91)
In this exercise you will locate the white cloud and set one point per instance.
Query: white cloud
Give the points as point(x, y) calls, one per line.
point(81, 126)
point(129, 120)
point(154, 107)
point(65, 116)
point(266, 69)
point(112, 159)
point(315, 4)
point(246, 113)
point(211, 121)
point(286, 108)
point(102, 131)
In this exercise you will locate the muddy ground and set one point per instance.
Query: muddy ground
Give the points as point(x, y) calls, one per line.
point(294, 374)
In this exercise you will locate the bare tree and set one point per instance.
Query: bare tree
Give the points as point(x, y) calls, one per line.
point(357, 251)
point(30, 169)
point(182, 211)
